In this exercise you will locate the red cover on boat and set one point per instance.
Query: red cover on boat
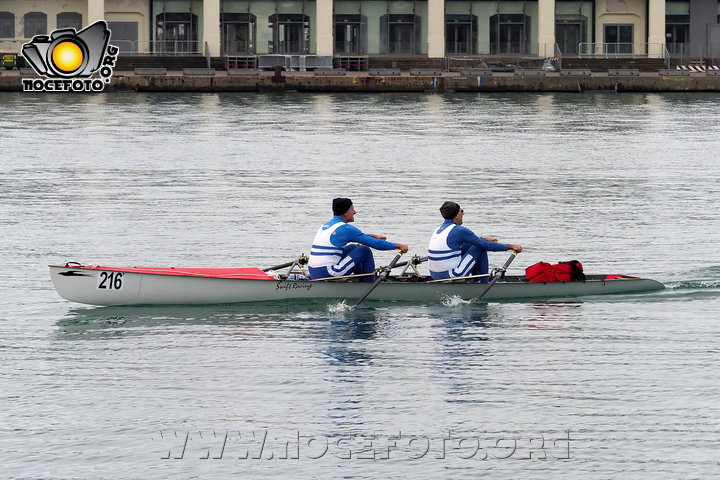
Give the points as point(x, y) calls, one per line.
point(239, 273)
point(561, 272)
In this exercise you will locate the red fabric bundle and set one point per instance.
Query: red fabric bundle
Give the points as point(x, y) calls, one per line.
point(560, 272)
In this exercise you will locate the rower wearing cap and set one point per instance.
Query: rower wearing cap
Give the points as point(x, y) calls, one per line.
point(333, 254)
point(455, 251)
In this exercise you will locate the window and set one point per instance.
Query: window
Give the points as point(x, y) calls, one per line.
point(508, 33)
point(400, 33)
point(291, 33)
point(350, 34)
point(677, 33)
point(35, 24)
point(461, 34)
point(177, 32)
point(7, 25)
point(238, 33)
point(125, 36)
point(69, 20)
point(618, 39)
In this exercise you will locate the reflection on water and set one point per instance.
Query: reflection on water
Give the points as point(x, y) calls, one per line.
point(625, 183)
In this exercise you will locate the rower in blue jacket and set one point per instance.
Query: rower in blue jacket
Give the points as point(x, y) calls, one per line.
point(332, 253)
point(455, 251)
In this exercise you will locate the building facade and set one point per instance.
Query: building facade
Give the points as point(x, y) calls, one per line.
point(430, 28)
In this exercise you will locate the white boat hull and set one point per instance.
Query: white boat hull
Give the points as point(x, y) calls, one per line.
point(90, 286)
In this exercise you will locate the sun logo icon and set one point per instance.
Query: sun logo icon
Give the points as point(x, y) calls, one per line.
point(67, 57)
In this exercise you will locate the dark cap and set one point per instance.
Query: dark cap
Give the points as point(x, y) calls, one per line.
point(449, 210)
point(341, 205)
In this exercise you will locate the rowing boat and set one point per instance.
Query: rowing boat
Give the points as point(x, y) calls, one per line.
point(106, 286)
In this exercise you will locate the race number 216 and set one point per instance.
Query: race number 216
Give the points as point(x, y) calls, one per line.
point(110, 280)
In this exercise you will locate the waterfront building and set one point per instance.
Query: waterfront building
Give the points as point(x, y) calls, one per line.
point(429, 29)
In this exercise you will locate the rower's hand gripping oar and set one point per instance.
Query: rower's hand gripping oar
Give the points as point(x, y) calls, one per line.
point(500, 273)
point(383, 274)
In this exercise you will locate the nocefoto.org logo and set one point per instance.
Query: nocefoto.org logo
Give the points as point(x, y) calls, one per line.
point(68, 59)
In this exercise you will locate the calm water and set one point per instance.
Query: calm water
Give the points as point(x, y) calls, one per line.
point(592, 388)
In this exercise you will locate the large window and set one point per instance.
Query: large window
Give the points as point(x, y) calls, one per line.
point(509, 33)
point(238, 33)
point(461, 34)
point(69, 20)
point(125, 36)
point(176, 32)
point(7, 25)
point(618, 39)
point(677, 33)
point(35, 24)
point(350, 34)
point(291, 33)
point(400, 33)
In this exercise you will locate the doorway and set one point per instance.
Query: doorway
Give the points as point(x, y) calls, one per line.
point(460, 34)
point(619, 39)
point(176, 33)
point(350, 33)
point(569, 31)
point(291, 34)
point(238, 33)
point(400, 33)
point(508, 33)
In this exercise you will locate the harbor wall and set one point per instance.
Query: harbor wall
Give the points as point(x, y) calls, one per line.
point(362, 82)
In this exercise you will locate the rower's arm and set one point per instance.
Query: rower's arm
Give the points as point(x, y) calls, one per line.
point(350, 233)
point(465, 235)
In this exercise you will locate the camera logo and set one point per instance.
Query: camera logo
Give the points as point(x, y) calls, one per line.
point(69, 59)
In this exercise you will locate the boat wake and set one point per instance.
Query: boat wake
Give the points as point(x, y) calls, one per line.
point(339, 307)
point(694, 284)
point(451, 301)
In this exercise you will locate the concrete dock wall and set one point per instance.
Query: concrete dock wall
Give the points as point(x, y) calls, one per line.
point(362, 82)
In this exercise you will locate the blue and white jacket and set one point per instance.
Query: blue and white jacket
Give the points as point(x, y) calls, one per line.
point(333, 236)
point(449, 241)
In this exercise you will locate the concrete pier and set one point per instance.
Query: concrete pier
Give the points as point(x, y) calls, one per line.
point(439, 82)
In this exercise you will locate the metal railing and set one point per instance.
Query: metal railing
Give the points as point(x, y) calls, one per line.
point(558, 56)
point(407, 48)
point(680, 54)
point(287, 47)
point(621, 50)
point(239, 49)
point(504, 48)
point(348, 47)
point(666, 56)
point(675, 48)
point(460, 48)
point(295, 62)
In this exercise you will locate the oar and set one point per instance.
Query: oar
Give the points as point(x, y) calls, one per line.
point(500, 273)
point(300, 261)
point(278, 267)
point(384, 272)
